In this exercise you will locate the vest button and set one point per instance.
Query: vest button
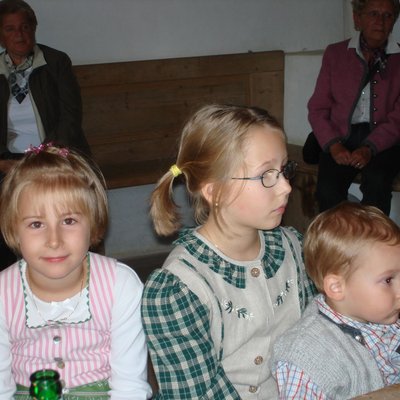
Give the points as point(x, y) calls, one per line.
point(253, 389)
point(359, 338)
point(60, 362)
point(56, 339)
point(255, 272)
point(258, 360)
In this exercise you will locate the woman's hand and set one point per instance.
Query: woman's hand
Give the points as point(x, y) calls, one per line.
point(340, 154)
point(361, 157)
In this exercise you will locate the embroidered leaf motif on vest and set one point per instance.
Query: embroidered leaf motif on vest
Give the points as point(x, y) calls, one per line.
point(281, 296)
point(241, 312)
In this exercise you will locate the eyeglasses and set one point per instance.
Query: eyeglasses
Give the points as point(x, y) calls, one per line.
point(270, 177)
point(12, 30)
point(387, 16)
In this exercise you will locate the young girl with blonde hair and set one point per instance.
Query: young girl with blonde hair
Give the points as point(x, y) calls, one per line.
point(61, 306)
point(237, 281)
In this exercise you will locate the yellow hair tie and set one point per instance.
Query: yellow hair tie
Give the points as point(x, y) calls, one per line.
point(175, 170)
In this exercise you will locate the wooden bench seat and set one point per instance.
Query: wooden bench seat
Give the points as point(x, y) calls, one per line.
point(133, 112)
point(391, 392)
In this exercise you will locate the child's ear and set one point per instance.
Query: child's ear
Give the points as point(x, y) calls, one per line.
point(334, 286)
point(207, 192)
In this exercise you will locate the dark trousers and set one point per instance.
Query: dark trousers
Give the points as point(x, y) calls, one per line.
point(377, 176)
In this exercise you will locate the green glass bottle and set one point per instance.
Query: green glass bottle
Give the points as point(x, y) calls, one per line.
point(45, 385)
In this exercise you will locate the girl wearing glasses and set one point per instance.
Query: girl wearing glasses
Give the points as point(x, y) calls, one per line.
point(233, 284)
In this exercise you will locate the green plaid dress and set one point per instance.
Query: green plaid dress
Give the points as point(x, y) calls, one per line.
point(180, 324)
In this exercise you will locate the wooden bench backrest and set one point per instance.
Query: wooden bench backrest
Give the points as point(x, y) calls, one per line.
point(133, 112)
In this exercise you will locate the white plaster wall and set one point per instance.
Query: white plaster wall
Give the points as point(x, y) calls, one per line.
point(93, 31)
point(301, 70)
point(131, 231)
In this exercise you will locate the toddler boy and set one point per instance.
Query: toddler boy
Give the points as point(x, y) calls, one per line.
point(347, 342)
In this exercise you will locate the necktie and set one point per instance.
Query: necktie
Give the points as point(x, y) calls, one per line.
point(378, 55)
point(18, 78)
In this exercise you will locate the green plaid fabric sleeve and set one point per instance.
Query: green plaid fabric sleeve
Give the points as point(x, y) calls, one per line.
point(180, 345)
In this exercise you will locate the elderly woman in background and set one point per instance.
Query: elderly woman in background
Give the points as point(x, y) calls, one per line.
point(355, 109)
point(39, 94)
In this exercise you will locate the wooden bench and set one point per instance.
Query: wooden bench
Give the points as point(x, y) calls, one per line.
point(302, 206)
point(391, 392)
point(133, 112)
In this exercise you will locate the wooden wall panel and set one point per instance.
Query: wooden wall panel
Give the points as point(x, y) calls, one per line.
point(133, 112)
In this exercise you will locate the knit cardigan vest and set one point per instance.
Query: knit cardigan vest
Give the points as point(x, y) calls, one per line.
point(339, 364)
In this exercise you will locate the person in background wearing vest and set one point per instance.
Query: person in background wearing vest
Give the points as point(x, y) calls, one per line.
point(348, 340)
point(40, 97)
point(61, 306)
point(355, 109)
point(237, 281)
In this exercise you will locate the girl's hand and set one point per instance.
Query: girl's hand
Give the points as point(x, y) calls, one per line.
point(361, 157)
point(340, 154)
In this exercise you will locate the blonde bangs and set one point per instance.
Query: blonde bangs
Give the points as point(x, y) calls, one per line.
point(65, 194)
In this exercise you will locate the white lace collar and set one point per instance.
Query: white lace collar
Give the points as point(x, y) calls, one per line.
point(40, 313)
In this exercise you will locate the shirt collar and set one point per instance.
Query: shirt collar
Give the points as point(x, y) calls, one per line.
point(391, 48)
point(270, 257)
point(38, 60)
point(341, 319)
point(77, 308)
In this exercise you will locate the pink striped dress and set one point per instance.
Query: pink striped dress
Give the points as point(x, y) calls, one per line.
point(79, 348)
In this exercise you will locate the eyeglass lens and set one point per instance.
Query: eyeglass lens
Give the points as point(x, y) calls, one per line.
point(270, 178)
point(377, 14)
